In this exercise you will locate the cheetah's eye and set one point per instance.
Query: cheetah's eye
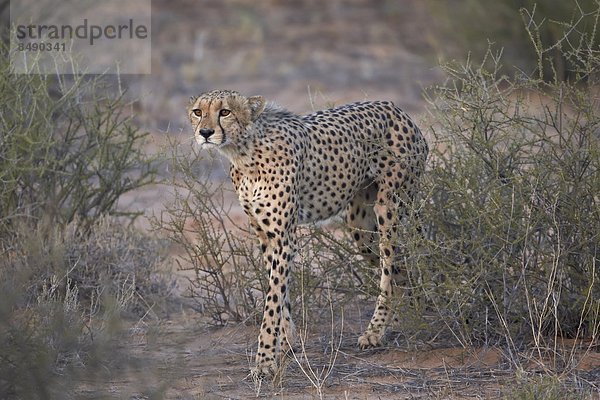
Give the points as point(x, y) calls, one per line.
point(197, 112)
point(224, 113)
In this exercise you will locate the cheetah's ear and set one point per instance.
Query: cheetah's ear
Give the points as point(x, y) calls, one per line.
point(257, 105)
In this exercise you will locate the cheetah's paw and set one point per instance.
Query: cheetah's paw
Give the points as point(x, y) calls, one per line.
point(369, 339)
point(263, 369)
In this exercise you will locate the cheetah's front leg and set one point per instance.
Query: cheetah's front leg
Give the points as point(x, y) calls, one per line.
point(275, 227)
point(277, 327)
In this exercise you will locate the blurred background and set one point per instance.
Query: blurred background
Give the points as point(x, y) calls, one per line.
point(307, 54)
point(292, 52)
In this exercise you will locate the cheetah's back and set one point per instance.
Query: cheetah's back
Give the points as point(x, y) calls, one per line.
point(351, 147)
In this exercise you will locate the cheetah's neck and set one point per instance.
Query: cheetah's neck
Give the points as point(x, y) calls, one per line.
point(259, 137)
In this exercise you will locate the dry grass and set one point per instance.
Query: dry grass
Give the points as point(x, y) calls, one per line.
point(69, 269)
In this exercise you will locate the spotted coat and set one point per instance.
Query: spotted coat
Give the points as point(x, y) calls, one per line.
point(362, 160)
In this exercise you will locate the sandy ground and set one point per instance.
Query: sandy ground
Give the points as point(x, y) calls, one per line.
point(183, 357)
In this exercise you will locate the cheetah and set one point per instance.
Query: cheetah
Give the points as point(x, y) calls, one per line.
point(361, 160)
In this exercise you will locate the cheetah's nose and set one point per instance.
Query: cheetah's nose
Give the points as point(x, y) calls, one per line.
point(206, 132)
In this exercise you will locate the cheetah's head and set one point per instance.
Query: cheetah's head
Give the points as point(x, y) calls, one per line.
point(220, 118)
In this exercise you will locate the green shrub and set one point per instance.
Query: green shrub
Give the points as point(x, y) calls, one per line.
point(67, 151)
point(511, 206)
point(466, 24)
point(68, 268)
point(546, 388)
point(220, 251)
point(63, 297)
